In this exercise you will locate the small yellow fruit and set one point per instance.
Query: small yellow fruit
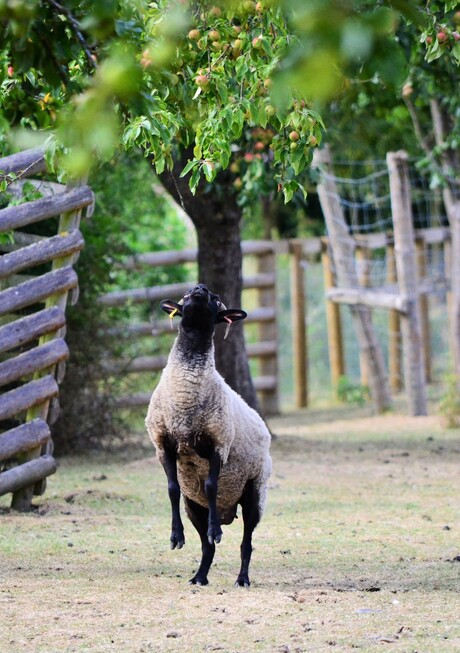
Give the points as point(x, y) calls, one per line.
point(202, 81)
point(215, 12)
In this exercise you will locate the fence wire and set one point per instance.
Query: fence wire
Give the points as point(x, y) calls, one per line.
point(364, 198)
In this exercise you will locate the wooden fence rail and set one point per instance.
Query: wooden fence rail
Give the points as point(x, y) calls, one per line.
point(32, 322)
point(266, 348)
point(407, 299)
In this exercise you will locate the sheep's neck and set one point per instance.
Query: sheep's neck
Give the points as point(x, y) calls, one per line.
point(190, 379)
point(194, 351)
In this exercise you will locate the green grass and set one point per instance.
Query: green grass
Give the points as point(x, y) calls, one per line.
point(356, 551)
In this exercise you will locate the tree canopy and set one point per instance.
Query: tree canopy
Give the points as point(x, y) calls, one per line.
point(230, 95)
point(210, 75)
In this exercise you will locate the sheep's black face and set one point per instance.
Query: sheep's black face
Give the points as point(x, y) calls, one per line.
point(201, 310)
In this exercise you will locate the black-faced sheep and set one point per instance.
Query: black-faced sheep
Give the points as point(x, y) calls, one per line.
point(214, 448)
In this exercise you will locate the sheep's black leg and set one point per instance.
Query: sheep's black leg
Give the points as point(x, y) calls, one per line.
point(251, 517)
point(199, 518)
point(177, 528)
point(210, 488)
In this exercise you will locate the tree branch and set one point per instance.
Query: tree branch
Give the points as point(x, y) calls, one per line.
point(423, 140)
point(76, 29)
point(451, 203)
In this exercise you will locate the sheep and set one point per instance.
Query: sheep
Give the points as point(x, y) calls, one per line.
point(213, 447)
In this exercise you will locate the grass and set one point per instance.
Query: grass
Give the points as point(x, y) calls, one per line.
point(358, 549)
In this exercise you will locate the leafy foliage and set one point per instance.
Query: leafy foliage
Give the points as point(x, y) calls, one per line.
point(123, 189)
point(449, 406)
point(352, 393)
point(225, 79)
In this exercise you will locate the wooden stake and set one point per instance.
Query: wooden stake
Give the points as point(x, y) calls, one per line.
point(334, 323)
point(420, 248)
point(299, 311)
point(363, 266)
point(414, 371)
point(394, 329)
point(267, 332)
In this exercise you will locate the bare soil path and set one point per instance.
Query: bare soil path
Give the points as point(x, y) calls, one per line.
point(359, 549)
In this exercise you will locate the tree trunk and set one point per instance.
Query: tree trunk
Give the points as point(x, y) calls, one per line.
point(451, 196)
point(217, 218)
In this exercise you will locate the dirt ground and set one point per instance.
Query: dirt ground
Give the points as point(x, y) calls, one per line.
point(359, 549)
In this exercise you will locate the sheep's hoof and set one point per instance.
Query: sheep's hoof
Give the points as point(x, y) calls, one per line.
point(177, 542)
point(198, 581)
point(214, 539)
point(214, 534)
point(242, 582)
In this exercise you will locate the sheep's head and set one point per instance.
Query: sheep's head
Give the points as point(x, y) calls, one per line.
point(201, 309)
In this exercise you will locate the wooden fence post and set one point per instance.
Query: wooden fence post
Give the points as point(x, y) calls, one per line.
point(414, 371)
point(299, 316)
point(420, 250)
point(343, 248)
point(267, 333)
point(334, 323)
point(394, 328)
point(363, 269)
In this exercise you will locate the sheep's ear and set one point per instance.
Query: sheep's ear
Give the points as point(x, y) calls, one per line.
point(171, 308)
point(230, 315)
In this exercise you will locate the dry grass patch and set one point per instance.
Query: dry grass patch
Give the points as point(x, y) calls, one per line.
point(358, 549)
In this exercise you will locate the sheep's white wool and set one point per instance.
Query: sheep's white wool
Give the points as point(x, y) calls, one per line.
point(191, 402)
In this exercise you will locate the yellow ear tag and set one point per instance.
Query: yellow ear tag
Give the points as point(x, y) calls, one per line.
point(171, 315)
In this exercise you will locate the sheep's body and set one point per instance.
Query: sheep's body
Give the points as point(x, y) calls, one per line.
point(199, 424)
point(193, 404)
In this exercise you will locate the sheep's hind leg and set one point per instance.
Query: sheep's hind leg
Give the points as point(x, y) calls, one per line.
point(251, 517)
point(199, 518)
point(169, 463)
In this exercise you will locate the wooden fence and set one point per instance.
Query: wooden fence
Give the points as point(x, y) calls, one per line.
point(36, 279)
point(406, 299)
point(263, 281)
point(266, 314)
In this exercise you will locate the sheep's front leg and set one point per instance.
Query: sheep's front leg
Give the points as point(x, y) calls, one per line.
point(169, 462)
point(210, 487)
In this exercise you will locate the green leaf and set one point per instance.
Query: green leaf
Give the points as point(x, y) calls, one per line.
point(160, 164)
point(288, 193)
point(190, 165)
point(222, 91)
point(267, 47)
point(456, 52)
point(298, 160)
point(241, 68)
point(209, 170)
point(194, 180)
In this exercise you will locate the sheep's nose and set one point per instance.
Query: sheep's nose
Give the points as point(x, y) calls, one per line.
point(201, 286)
point(200, 290)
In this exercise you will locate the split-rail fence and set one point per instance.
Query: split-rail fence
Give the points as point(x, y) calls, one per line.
point(36, 281)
